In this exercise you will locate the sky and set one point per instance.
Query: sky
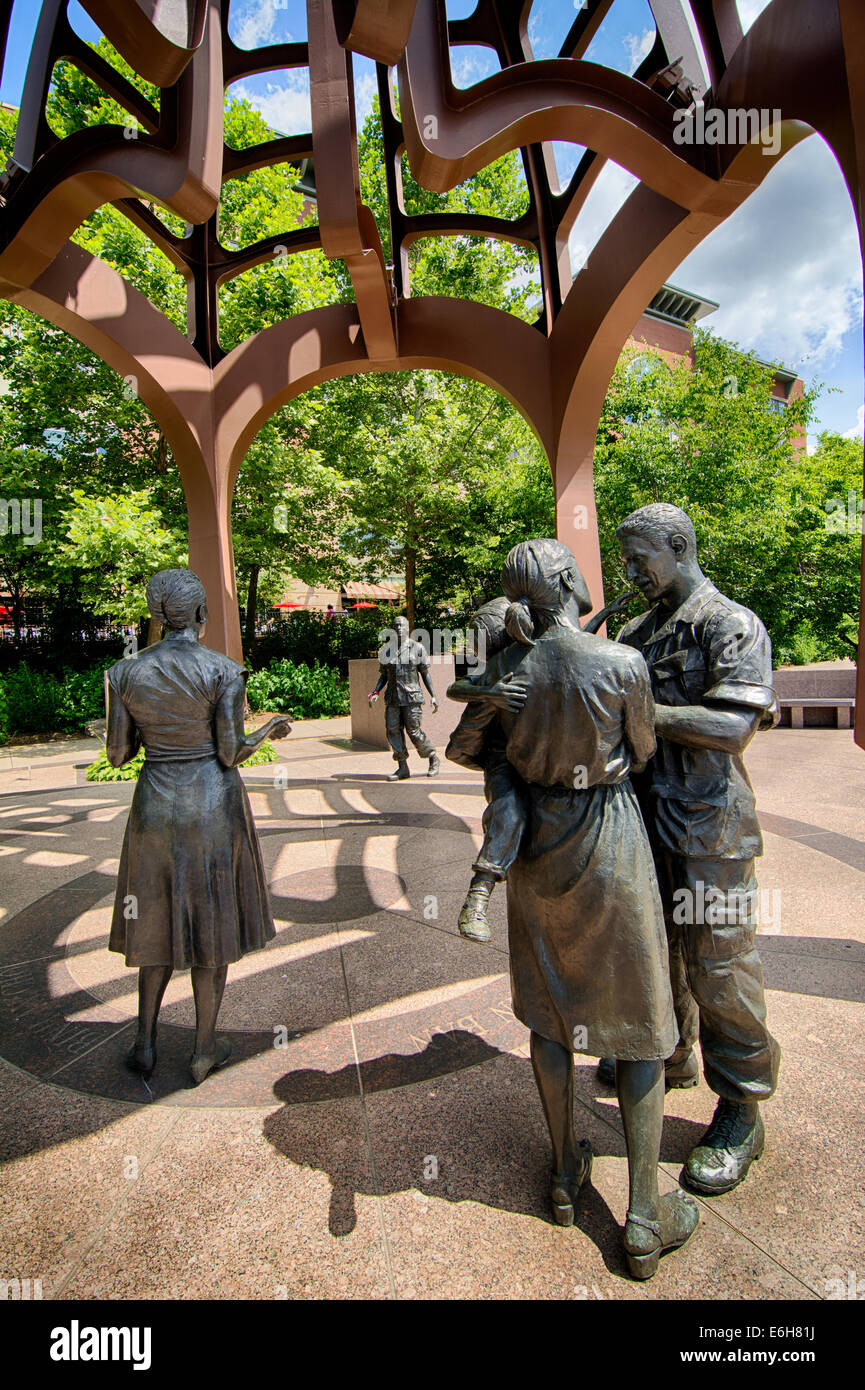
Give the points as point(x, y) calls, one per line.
point(785, 268)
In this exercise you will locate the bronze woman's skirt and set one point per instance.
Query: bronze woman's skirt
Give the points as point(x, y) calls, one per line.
point(190, 888)
point(589, 966)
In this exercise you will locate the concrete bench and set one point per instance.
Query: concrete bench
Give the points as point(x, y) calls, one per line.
point(842, 705)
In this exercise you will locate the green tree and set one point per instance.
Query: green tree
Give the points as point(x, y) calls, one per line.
point(117, 543)
point(710, 439)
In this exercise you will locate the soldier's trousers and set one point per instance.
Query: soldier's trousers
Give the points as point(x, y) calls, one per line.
point(400, 720)
point(715, 972)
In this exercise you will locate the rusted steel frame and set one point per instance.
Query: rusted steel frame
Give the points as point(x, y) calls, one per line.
point(377, 28)
point(285, 150)
point(488, 25)
point(144, 46)
point(96, 165)
point(247, 62)
point(348, 229)
point(584, 29)
point(505, 33)
point(173, 247)
point(559, 99)
point(465, 224)
point(713, 45)
point(511, 43)
point(55, 41)
point(212, 265)
point(852, 19)
point(567, 206)
point(672, 25)
point(392, 143)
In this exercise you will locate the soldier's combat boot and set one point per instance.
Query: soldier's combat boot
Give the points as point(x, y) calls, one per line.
point(401, 772)
point(433, 765)
point(472, 920)
point(734, 1139)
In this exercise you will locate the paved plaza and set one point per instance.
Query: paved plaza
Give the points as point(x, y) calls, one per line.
point(377, 1133)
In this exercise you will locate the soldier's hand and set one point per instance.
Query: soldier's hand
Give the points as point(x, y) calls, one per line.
point(372, 697)
point(435, 704)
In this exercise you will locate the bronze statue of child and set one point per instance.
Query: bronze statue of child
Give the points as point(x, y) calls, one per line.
point(191, 890)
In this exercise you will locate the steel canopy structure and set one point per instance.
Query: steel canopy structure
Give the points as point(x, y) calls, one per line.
point(802, 63)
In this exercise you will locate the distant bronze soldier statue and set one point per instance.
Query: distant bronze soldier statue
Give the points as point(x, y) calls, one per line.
point(403, 665)
point(586, 931)
point(710, 662)
point(191, 889)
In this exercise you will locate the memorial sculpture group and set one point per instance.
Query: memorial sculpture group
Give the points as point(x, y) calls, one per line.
point(618, 807)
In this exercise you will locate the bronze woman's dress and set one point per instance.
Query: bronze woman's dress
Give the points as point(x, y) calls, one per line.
point(190, 862)
point(587, 941)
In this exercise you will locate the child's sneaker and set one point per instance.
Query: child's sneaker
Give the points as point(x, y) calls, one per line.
point(472, 920)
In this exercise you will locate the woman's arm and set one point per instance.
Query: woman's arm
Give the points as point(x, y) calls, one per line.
point(122, 738)
point(233, 746)
point(506, 693)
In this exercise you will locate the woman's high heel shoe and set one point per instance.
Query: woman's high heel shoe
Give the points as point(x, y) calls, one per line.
point(679, 1219)
point(564, 1189)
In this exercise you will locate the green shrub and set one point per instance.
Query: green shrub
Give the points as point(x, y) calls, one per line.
point(100, 770)
point(304, 692)
point(41, 703)
point(308, 637)
point(4, 713)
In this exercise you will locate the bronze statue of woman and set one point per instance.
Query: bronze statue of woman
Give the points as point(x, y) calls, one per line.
point(588, 949)
point(191, 890)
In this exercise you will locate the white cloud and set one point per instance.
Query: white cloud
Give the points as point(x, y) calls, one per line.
point(613, 185)
point(858, 430)
point(285, 106)
point(470, 65)
point(365, 88)
point(637, 46)
point(257, 24)
point(749, 10)
point(786, 268)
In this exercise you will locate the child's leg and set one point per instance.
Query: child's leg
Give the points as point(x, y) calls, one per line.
point(504, 821)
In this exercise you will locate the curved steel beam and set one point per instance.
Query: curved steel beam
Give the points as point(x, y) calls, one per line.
point(377, 28)
point(101, 164)
point(156, 39)
point(451, 135)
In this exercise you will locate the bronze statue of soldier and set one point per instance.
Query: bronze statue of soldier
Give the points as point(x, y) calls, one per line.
point(403, 664)
point(191, 890)
point(710, 662)
point(588, 950)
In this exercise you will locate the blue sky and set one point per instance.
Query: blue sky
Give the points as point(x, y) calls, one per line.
point(785, 269)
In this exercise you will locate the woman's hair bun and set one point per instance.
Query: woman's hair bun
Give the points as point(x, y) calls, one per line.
point(519, 624)
point(175, 596)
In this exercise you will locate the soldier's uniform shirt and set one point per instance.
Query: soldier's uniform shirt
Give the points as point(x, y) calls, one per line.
point(700, 812)
point(710, 650)
point(403, 678)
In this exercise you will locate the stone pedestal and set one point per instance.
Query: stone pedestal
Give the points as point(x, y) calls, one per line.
point(367, 722)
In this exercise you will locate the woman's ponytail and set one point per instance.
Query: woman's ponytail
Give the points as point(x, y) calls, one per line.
point(519, 624)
